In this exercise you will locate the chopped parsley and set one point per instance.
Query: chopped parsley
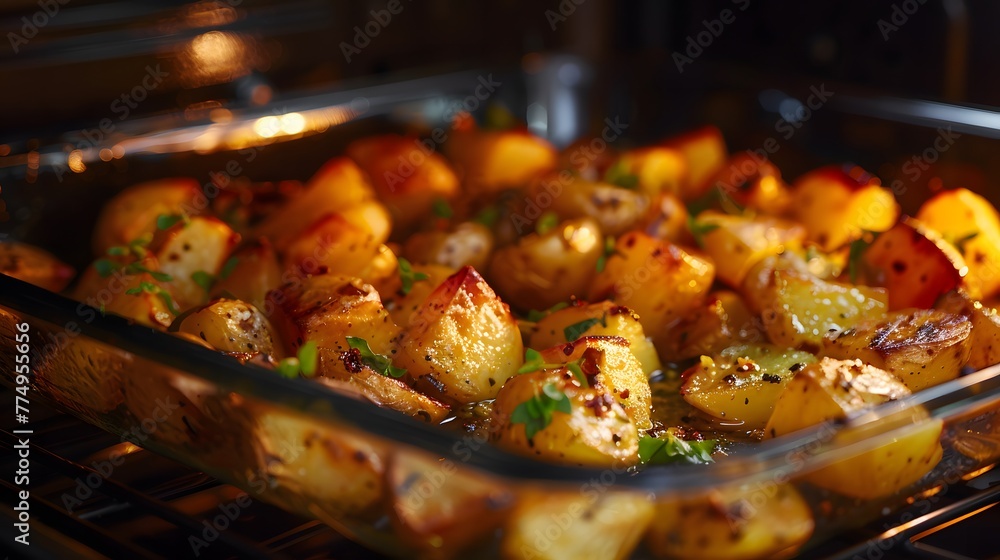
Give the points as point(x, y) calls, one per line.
point(379, 363)
point(700, 229)
point(609, 251)
point(150, 288)
point(546, 223)
point(167, 221)
point(305, 363)
point(576, 330)
point(857, 249)
point(442, 209)
point(536, 412)
point(535, 316)
point(533, 362)
point(672, 449)
point(619, 176)
point(408, 277)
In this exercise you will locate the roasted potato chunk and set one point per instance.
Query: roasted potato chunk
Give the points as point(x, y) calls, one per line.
point(970, 221)
point(837, 205)
point(713, 327)
point(915, 265)
point(403, 306)
point(832, 390)
point(704, 151)
point(335, 244)
point(741, 384)
point(384, 391)
point(599, 526)
point(737, 243)
point(139, 297)
point(985, 327)
point(656, 169)
point(463, 342)
point(615, 209)
point(609, 364)
point(597, 319)
point(34, 266)
point(249, 274)
point(132, 213)
point(490, 161)
point(467, 244)
point(543, 269)
point(232, 326)
point(802, 309)
point(667, 220)
point(660, 281)
point(592, 429)
point(198, 246)
point(749, 181)
point(768, 520)
point(922, 348)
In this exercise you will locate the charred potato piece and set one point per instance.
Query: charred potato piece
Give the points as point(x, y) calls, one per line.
point(490, 161)
point(741, 384)
point(132, 213)
point(660, 281)
point(802, 309)
point(837, 205)
point(922, 348)
point(249, 274)
point(737, 243)
point(713, 327)
point(609, 364)
point(34, 266)
point(597, 319)
point(467, 244)
point(544, 269)
point(915, 265)
point(462, 343)
point(231, 326)
point(595, 432)
point(704, 151)
point(407, 175)
point(968, 220)
point(599, 526)
point(769, 520)
point(198, 246)
point(985, 327)
point(831, 390)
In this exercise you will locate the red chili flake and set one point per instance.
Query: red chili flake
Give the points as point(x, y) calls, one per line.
point(352, 360)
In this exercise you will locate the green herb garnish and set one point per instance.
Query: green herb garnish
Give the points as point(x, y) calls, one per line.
point(150, 288)
point(408, 277)
point(442, 209)
point(609, 251)
point(856, 251)
point(536, 412)
point(167, 221)
point(378, 362)
point(305, 363)
point(960, 242)
point(228, 267)
point(203, 279)
point(700, 229)
point(619, 176)
point(533, 362)
point(576, 330)
point(535, 316)
point(488, 216)
point(546, 223)
point(672, 449)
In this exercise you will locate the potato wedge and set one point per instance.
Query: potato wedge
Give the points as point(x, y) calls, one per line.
point(463, 342)
point(741, 384)
point(922, 348)
point(490, 161)
point(543, 269)
point(132, 213)
point(199, 246)
point(802, 309)
point(738, 243)
point(915, 265)
point(597, 319)
point(704, 151)
point(660, 281)
point(719, 323)
point(34, 266)
point(985, 327)
point(232, 326)
point(548, 525)
point(249, 274)
point(838, 204)
point(407, 174)
point(467, 244)
point(595, 432)
point(609, 364)
point(958, 214)
point(333, 244)
point(763, 520)
point(832, 390)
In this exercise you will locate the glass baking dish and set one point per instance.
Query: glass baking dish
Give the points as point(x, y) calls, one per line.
point(405, 488)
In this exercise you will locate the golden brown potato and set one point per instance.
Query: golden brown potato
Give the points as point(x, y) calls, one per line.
point(719, 323)
point(335, 188)
point(233, 327)
point(608, 364)
point(249, 274)
point(407, 175)
point(922, 348)
point(490, 161)
point(752, 182)
point(383, 391)
point(737, 243)
point(133, 213)
point(837, 205)
point(137, 296)
point(34, 266)
point(802, 309)
point(597, 319)
point(660, 281)
point(704, 150)
point(769, 520)
point(333, 244)
point(958, 214)
point(656, 169)
point(758, 286)
point(741, 384)
point(985, 327)
point(667, 220)
point(189, 248)
point(467, 244)
point(832, 390)
point(432, 501)
point(402, 307)
point(590, 429)
point(549, 525)
point(915, 264)
point(615, 209)
point(462, 343)
point(542, 270)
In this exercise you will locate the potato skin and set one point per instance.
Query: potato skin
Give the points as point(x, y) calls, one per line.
point(34, 265)
point(462, 343)
point(922, 348)
point(492, 160)
point(985, 327)
point(721, 321)
point(615, 209)
point(704, 151)
point(132, 213)
point(543, 270)
point(202, 244)
point(738, 243)
point(467, 244)
point(233, 327)
point(596, 432)
point(339, 243)
point(256, 272)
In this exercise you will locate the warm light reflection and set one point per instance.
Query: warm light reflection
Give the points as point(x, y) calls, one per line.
point(267, 127)
point(106, 154)
point(215, 57)
point(292, 123)
point(75, 162)
point(208, 14)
